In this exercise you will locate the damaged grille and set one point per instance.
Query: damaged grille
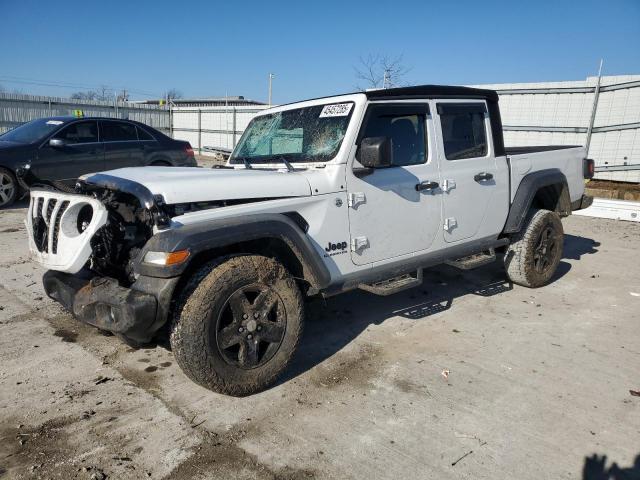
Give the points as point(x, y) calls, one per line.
point(46, 222)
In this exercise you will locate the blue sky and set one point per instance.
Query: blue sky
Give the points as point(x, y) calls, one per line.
point(207, 48)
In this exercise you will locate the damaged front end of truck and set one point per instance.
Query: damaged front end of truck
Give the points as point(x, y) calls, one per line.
point(90, 241)
point(105, 223)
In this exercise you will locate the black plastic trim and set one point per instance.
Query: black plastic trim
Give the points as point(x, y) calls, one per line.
point(213, 234)
point(526, 192)
point(584, 202)
point(137, 312)
point(142, 193)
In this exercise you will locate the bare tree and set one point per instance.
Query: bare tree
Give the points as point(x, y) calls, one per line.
point(2, 90)
point(380, 71)
point(88, 95)
point(103, 93)
point(173, 94)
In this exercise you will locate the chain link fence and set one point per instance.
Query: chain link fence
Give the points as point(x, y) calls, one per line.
point(16, 109)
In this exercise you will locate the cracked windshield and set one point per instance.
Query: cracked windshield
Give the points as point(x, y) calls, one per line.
point(311, 134)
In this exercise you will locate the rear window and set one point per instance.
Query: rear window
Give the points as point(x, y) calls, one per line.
point(118, 132)
point(143, 134)
point(464, 133)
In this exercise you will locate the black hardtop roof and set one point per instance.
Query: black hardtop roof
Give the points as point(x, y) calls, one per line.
point(432, 91)
point(415, 91)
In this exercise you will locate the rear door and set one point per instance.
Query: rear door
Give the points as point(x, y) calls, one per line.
point(81, 153)
point(121, 144)
point(390, 213)
point(470, 176)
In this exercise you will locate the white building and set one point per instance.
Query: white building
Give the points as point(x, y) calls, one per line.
point(559, 113)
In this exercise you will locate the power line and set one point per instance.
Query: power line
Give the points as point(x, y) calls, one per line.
point(58, 84)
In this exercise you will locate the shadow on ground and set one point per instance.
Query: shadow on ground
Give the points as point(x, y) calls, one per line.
point(595, 468)
point(333, 323)
point(18, 205)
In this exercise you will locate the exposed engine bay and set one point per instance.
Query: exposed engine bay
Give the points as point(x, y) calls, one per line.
point(104, 221)
point(116, 245)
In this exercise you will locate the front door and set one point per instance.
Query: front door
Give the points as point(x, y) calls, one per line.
point(122, 148)
point(81, 153)
point(395, 210)
point(468, 166)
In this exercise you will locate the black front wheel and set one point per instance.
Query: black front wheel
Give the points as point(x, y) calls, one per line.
point(238, 324)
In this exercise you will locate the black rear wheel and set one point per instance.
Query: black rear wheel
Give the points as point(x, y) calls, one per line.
point(535, 252)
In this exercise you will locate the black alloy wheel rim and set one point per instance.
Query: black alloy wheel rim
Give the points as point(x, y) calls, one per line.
point(546, 249)
point(251, 326)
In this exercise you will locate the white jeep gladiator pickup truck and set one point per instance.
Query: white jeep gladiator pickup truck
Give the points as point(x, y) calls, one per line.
point(319, 197)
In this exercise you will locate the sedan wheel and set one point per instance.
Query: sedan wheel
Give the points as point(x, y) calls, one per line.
point(8, 188)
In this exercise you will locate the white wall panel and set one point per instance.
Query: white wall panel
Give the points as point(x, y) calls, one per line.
point(540, 109)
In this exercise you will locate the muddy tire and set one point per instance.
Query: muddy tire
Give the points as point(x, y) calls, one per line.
point(535, 251)
point(237, 324)
point(8, 187)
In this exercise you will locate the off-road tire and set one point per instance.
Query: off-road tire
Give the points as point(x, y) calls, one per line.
point(202, 303)
point(11, 198)
point(523, 252)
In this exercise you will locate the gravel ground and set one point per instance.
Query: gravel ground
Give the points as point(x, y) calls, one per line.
point(466, 377)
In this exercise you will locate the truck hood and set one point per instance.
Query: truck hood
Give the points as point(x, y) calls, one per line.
point(188, 184)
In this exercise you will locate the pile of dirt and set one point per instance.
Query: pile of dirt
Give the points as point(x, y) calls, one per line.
point(613, 190)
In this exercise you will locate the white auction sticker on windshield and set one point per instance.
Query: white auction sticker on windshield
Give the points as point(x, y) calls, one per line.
point(54, 122)
point(336, 110)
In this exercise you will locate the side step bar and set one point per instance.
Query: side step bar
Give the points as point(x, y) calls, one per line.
point(393, 285)
point(473, 261)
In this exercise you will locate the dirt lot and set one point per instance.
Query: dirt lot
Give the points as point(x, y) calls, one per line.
point(538, 382)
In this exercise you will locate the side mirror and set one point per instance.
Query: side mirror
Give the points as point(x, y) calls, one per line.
point(57, 143)
point(375, 152)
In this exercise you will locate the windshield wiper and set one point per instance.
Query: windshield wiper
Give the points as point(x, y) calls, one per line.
point(246, 162)
point(286, 162)
point(276, 158)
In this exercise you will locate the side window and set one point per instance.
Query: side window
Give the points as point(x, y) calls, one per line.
point(118, 132)
point(405, 125)
point(81, 132)
point(464, 133)
point(143, 134)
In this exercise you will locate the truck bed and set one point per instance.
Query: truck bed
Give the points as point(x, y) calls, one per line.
point(566, 158)
point(536, 148)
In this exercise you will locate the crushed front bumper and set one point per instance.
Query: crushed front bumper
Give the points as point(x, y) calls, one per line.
point(137, 312)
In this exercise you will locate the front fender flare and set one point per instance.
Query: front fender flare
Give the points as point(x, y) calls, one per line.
point(219, 233)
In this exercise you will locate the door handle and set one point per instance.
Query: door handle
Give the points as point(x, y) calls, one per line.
point(481, 177)
point(427, 185)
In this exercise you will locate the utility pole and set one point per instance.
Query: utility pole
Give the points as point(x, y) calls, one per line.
point(594, 109)
point(271, 75)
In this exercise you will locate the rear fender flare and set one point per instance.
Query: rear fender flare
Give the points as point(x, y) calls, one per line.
point(527, 190)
